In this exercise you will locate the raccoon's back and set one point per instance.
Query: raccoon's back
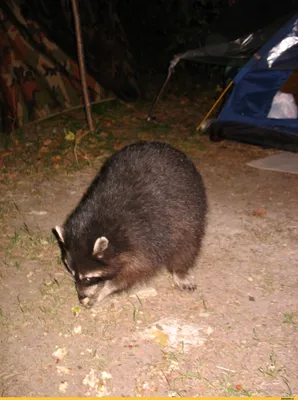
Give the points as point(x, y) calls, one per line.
point(153, 168)
point(145, 192)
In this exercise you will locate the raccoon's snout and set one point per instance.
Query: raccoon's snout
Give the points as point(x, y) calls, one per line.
point(84, 300)
point(82, 297)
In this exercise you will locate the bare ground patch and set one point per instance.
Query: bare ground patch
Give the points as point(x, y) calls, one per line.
point(236, 335)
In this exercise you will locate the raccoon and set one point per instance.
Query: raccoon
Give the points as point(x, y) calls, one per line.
point(145, 210)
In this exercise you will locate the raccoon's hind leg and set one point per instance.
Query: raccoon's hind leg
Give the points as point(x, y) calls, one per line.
point(181, 271)
point(184, 281)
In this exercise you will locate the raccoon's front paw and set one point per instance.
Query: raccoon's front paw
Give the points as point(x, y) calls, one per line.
point(185, 283)
point(87, 302)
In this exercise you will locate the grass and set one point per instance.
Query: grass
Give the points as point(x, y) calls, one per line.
point(25, 246)
point(289, 318)
point(169, 355)
point(15, 239)
point(271, 368)
point(48, 151)
point(136, 309)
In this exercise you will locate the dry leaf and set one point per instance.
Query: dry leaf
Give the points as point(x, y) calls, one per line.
point(70, 136)
point(259, 212)
point(56, 158)
point(160, 337)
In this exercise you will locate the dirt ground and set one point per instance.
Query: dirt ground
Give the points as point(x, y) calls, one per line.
point(235, 336)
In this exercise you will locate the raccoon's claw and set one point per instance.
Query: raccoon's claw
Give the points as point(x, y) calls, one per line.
point(190, 286)
point(184, 283)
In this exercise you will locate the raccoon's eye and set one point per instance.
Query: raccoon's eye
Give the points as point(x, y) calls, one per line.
point(92, 281)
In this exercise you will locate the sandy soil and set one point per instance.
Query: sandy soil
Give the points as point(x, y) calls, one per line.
point(236, 335)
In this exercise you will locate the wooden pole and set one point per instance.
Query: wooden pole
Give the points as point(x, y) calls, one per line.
point(214, 105)
point(80, 50)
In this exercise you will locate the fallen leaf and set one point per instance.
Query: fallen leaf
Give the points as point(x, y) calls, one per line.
point(160, 337)
point(75, 310)
point(259, 212)
point(81, 132)
point(56, 158)
point(70, 136)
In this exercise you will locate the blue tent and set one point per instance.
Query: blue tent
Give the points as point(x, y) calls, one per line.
point(257, 111)
point(257, 42)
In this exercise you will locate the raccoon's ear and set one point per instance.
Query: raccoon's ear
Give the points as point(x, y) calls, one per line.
point(60, 232)
point(100, 245)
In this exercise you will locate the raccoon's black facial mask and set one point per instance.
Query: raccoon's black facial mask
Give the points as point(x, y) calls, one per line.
point(88, 272)
point(92, 281)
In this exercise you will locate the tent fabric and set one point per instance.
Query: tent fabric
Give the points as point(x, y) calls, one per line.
point(39, 78)
point(254, 135)
point(244, 116)
point(107, 51)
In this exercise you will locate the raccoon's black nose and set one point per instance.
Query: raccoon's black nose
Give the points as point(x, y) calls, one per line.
point(85, 301)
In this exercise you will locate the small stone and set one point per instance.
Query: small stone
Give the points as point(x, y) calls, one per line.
point(60, 353)
point(63, 387)
point(209, 330)
point(106, 375)
point(77, 330)
point(63, 370)
point(204, 314)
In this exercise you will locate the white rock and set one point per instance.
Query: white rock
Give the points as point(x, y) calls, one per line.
point(77, 330)
point(106, 375)
point(63, 387)
point(60, 353)
point(62, 370)
point(209, 330)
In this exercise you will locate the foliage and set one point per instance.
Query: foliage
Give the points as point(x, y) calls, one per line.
point(159, 29)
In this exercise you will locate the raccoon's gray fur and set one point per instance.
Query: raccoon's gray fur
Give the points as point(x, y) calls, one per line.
point(145, 210)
